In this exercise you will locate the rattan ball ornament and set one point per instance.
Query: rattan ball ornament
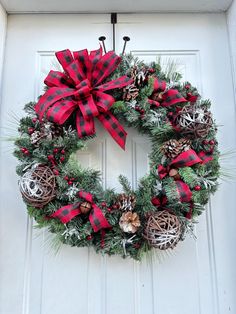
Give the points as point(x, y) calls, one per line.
point(194, 121)
point(85, 207)
point(37, 186)
point(163, 230)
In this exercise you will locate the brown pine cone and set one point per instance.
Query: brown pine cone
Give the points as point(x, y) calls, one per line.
point(129, 222)
point(173, 148)
point(139, 75)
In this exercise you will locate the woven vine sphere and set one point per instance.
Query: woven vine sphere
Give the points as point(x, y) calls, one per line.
point(194, 121)
point(163, 230)
point(37, 186)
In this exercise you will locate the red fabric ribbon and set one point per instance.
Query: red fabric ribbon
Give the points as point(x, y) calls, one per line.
point(185, 159)
point(96, 216)
point(184, 191)
point(159, 201)
point(169, 97)
point(79, 89)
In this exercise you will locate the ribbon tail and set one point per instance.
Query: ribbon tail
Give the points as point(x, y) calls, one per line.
point(184, 191)
point(84, 127)
point(112, 125)
point(66, 213)
point(97, 219)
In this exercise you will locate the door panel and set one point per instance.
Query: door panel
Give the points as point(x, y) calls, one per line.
point(78, 280)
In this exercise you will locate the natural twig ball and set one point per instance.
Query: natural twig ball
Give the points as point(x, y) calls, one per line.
point(37, 186)
point(163, 230)
point(194, 121)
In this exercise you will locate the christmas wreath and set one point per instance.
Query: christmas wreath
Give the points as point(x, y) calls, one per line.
point(117, 90)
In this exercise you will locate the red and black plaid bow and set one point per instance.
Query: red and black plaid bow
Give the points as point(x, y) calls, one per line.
point(96, 216)
point(185, 159)
point(80, 89)
point(168, 98)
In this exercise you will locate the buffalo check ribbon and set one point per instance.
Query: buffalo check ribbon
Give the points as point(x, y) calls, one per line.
point(169, 97)
point(185, 159)
point(159, 201)
point(80, 89)
point(96, 216)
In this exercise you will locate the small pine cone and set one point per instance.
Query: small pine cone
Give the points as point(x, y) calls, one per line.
point(139, 76)
point(173, 148)
point(130, 92)
point(35, 137)
point(129, 222)
point(125, 202)
point(52, 129)
point(185, 143)
point(133, 72)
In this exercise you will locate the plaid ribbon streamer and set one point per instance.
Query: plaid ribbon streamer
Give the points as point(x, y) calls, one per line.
point(169, 97)
point(79, 89)
point(96, 216)
point(184, 191)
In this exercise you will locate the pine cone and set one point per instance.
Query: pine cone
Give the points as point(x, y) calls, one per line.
point(173, 148)
point(139, 75)
point(125, 202)
point(51, 129)
point(48, 130)
point(130, 92)
point(129, 222)
point(35, 137)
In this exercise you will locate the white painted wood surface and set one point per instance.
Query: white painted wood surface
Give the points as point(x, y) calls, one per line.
point(199, 277)
point(3, 26)
point(108, 6)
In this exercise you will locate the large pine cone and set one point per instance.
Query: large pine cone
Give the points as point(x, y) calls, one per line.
point(173, 148)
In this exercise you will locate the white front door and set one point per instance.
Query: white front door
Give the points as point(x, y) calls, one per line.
point(198, 277)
